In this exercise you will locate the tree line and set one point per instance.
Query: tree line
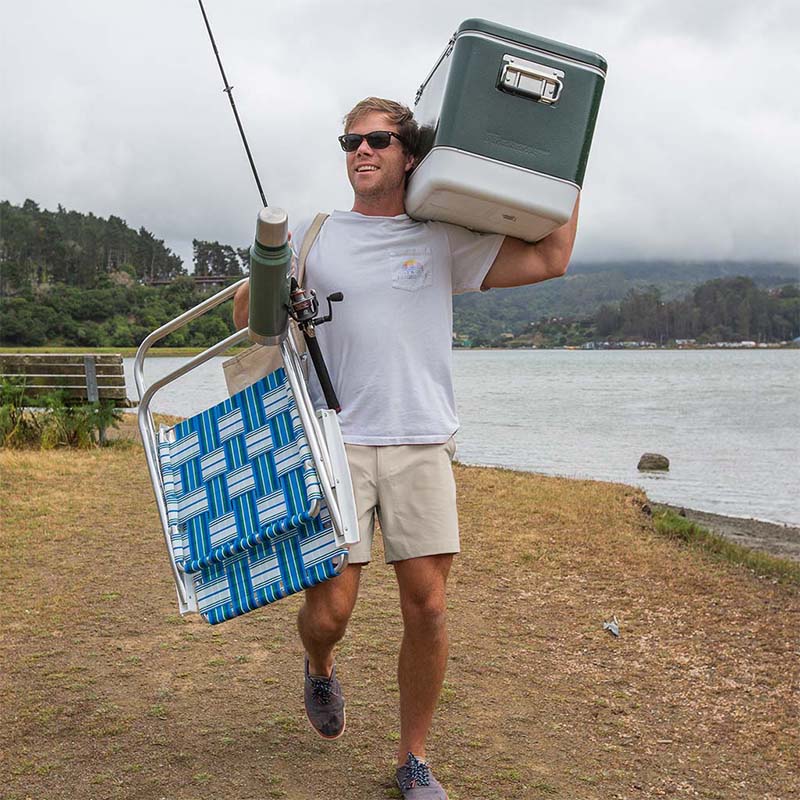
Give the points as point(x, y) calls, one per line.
point(40, 248)
point(721, 310)
point(487, 318)
point(109, 315)
point(68, 278)
point(74, 279)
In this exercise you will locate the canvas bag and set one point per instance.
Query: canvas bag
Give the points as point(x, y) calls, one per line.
point(259, 360)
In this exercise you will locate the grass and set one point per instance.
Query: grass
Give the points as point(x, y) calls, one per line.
point(695, 696)
point(676, 527)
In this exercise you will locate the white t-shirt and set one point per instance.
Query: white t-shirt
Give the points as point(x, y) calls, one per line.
point(388, 348)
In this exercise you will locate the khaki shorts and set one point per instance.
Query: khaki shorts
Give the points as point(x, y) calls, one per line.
point(411, 489)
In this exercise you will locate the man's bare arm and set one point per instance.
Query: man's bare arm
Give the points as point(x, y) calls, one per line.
point(241, 306)
point(520, 263)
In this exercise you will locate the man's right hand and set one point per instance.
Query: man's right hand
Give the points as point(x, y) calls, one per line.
point(241, 306)
point(241, 303)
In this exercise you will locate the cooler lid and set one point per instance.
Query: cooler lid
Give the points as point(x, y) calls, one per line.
point(530, 40)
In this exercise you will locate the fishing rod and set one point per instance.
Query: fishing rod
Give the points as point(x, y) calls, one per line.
point(229, 91)
point(270, 260)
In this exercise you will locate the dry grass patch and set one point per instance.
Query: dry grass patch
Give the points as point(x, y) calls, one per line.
point(107, 692)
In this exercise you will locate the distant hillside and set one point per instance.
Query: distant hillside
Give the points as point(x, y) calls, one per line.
point(72, 278)
point(484, 317)
point(40, 247)
point(729, 310)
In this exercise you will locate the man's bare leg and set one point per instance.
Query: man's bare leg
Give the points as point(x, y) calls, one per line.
point(423, 653)
point(322, 620)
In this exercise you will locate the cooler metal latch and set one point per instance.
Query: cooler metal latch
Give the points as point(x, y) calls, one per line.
point(540, 83)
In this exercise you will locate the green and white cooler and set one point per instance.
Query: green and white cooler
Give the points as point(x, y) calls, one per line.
point(506, 125)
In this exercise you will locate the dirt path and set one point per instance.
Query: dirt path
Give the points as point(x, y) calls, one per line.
point(107, 693)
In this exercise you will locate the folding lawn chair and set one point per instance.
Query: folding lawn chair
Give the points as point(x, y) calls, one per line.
point(253, 494)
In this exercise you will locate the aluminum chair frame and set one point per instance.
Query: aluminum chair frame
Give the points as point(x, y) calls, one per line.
point(329, 462)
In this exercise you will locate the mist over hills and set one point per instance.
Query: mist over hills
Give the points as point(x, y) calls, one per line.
point(691, 271)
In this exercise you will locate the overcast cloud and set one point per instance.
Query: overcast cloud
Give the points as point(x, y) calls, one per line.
point(117, 108)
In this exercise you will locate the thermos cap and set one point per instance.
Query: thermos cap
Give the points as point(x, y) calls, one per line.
point(272, 228)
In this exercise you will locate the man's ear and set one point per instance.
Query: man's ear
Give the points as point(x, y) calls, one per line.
point(410, 163)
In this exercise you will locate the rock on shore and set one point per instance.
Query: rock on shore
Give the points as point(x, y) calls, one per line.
point(653, 461)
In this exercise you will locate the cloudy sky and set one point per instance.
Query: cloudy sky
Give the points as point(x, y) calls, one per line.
point(117, 108)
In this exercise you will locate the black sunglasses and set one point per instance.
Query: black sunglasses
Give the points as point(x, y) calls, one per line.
point(377, 140)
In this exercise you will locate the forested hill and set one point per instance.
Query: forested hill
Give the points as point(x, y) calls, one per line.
point(45, 247)
point(78, 279)
point(484, 317)
point(728, 310)
point(74, 279)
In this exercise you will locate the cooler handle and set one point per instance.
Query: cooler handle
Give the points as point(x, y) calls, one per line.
point(536, 81)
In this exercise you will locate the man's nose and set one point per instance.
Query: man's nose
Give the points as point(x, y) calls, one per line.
point(364, 148)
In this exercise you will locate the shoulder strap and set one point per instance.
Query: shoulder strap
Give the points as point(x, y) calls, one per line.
point(308, 242)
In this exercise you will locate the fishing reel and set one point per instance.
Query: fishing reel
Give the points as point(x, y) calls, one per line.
point(304, 305)
point(302, 308)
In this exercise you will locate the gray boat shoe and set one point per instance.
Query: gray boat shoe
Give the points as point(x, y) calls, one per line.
point(416, 781)
point(324, 704)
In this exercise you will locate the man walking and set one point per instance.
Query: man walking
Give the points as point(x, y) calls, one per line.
point(388, 353)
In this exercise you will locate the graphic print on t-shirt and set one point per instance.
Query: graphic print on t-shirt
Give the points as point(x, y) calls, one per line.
point(411, 269)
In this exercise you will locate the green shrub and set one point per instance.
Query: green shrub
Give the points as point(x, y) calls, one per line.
point(18, 427)
point(53, 422)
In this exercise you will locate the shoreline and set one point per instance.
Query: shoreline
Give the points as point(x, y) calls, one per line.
point(526, 347)
point(130, 351)
point(776, 539)
point(773, 538)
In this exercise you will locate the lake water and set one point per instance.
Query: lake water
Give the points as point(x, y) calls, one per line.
point(728, 420)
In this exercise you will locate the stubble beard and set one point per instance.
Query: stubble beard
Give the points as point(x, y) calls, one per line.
point(381, 189)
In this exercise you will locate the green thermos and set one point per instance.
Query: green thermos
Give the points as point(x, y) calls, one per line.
point(270, 274)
